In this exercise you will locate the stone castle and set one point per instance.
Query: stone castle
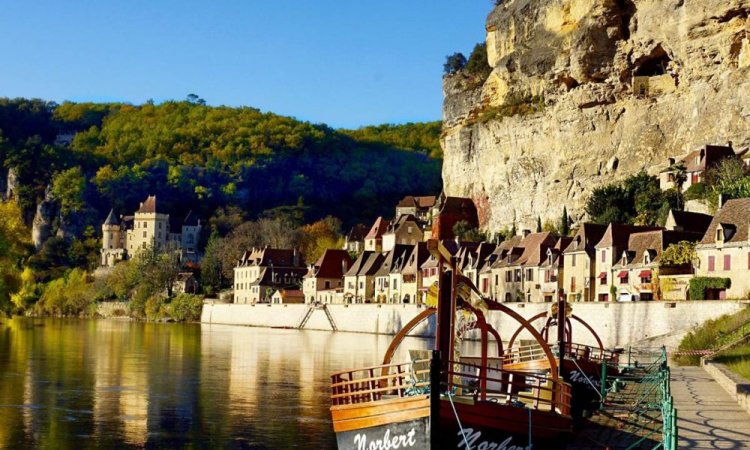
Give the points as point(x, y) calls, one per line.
point(125, 236)
point(583, 93)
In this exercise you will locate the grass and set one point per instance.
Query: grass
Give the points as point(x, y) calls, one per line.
point(737, 360)
point(713, 334)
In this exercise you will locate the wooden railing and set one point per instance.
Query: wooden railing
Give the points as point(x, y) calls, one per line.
point(535, 352)
point(509, 387)
point(374, 383)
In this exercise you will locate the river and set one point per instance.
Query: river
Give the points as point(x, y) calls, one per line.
point(86, 384)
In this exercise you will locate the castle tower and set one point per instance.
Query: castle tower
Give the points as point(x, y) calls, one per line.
point(191, 230)
point(150, 227)
point(112, 250)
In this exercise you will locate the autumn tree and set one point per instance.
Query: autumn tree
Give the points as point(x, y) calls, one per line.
point(319, 236)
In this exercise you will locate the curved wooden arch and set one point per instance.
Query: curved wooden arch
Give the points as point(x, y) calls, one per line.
point(569, 330)
point(591, 330)
point(406, 330)
point(520, 328)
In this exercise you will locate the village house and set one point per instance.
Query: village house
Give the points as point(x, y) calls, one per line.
point(695, 165)
point(489, 281)
point(150, 227)
point(607, 252)
point(551, 270)
point(476, 261)
point(354, 241)
point(411, 282)
point(324, 281)
point(688, 221)
point(262, 271)
point(185, 283)
point(419, 207)
point(359, 280)
point(724, 250)
point(388, 277)
point(636, 275)
point(578, 260)
point(374, 238)
point(405, 231)
point(430, 268)
point(517, 272)
point(448, 211)
point(288, 296)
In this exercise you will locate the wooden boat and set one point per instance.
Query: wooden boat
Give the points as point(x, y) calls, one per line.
point(448, 400)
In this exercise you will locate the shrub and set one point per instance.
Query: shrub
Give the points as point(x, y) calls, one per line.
point(696, 191)
point(709, 335)
point(185, 308)
point(454, 63)
point(699, 286)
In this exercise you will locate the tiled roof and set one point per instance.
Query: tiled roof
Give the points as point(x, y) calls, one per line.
point(653, 241)
point(617, 235)
point(111, 218)
point(149, 206)
point(395, 259)
point(588, 235)
point(734, 212)
point(331, 264)
point(411, 201)
point(378, 229)
point(401, 221)
point(417, 258)
point(368, 263)
point(357, 233)
point(266, 256)
point(691, 221)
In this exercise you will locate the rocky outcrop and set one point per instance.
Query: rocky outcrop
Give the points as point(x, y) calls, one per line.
point(585, 92)
point(11, 184)
point(42, 225)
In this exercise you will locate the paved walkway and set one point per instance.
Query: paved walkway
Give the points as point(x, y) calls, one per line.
point(708, 417)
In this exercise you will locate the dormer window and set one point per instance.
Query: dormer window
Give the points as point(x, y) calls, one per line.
point(719, 235)
point(646, 258)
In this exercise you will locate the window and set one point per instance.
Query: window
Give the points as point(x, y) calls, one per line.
point(624, 279)
point(748, 260)
point(574, 261)
point(497, 277)
point(604, 255)
point(395, 284)
point(530, 274)
point(144, 234)
point(160, 224)
point(727, 262)
point(508, 276)
point(711, 263)
point(144, 224)
point(603, 280)
point(518, 274)
point(361, 285)
point(328, 284)
point(719, 235)
point(572, 283)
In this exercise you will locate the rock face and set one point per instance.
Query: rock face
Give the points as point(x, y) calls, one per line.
point(605, 88)
point(11, 184)
point(46, 211)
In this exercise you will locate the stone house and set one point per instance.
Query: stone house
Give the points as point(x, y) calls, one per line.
point(185, 284)
point(411, 282)
point(517, 272)
point(483, 256)
point(354, 241)
point(359, 280)
point(288, 296)
point(403, 231)
point(578, 260)
point(430, 268)
point(635, 276)
point(489, 282)
point(608, 251)
point(448, 211)
point(551, 270)
point(388, 279)
point(688, 221)
point(123, 237)
point(262, 271)
point(326, 276)
point(696, 163)
point(374, 238)
point(418, 206)
point(724, 250)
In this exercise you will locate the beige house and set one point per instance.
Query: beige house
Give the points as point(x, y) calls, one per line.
point(288, 296)
point(326, 277)
point(388, 279)
point(578, 260)
point(404, 231)
point(374, 238)
point(635, 276)
point(517, 272)
point(185, 284)
point(419, 207)
point(354, 241)
point(412, 282)
point(359, 280)
point(483, 256)
point(608, 251)
point(551, 270)
point(149, 227)
point(695, 163)
point(724, 251)
point(262, 271)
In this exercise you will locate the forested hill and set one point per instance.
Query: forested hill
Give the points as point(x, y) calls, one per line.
point(205, 158)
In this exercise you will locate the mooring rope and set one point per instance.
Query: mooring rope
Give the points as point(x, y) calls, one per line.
point(458, 420)
point(587, 379)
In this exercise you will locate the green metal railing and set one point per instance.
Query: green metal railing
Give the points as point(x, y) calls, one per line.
point(649, 395)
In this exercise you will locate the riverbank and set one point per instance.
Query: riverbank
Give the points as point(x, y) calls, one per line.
point(618, 324)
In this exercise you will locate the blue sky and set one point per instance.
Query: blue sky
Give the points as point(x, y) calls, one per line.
point(346, 63)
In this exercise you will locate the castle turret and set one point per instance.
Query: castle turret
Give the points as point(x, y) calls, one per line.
point(112, 250)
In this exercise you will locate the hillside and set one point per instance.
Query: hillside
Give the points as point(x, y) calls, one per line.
point(582, 93)
point(205, 158)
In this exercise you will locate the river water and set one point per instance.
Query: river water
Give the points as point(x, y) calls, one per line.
point(86, 384)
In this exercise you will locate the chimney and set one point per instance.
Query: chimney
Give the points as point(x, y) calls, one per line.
point(721, 200)
point(526, 232)
point(671, 161)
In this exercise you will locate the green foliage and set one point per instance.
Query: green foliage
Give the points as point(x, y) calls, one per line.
point(466, 233)
point(14, 246)
point(68, 188)
point(711, 334)
point(612, 293)
point(564, 228)
point(737, 360)
point(637, 200)
point(185, 308)
point(514, 105)
point(680, 253)
point(74, 294)
point(478, 63)
point(699, 286)
point(416, 137)
point(696, 191)
point(454, 63)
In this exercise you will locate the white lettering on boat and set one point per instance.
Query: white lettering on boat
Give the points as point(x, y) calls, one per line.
point(578, 377)
point(387, 442)
point(473, 436)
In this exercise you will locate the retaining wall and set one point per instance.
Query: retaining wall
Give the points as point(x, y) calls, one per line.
point(737, 386)
point(618, 324)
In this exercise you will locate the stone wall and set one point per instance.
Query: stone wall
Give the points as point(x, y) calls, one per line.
point(112, 309)
point(735, 385)
point(618, 324)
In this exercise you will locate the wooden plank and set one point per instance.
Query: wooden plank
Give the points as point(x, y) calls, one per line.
point(383, 419)
point(377, 409)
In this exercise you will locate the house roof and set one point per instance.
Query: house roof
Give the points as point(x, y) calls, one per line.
point(367, 263)
point(276, 276)
point(402, 220)
point(357, 233)
point(332, 263)
point(735, 213)
point(588, 235)
point(265, 256)
point(417, 258)
point(148, 206)
point(291, 293)
point(411, 201)
point(617, 235)
point(654, 242)
point(703, 158)
point(395, 259)
point(184, 276)
point(378, 229)
point(112, 218)
point(690, 221)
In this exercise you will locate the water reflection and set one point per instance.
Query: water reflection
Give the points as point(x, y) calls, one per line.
point(83, 384)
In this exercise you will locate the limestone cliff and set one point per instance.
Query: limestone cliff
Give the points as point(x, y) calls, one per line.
point(584, 92)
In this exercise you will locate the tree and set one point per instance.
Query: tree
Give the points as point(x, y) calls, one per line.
point(14, 245)
point(464, 232)
point(68, 188)
point(454, 63)
point(478, 63)
point(680, 253)
point(319, 236)
point(538, 224)
point(564, 227)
